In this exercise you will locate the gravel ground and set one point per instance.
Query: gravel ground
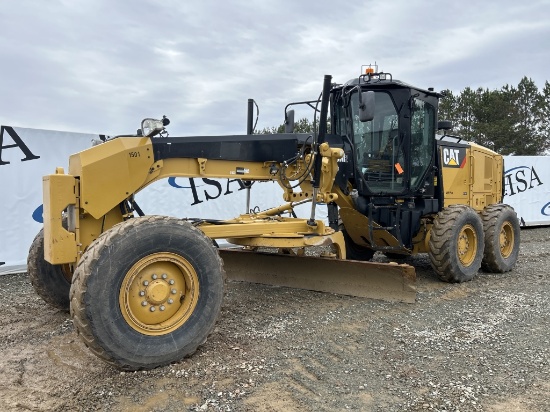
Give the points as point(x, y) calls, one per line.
point(478, 346)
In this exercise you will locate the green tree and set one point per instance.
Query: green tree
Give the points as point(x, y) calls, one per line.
point(466, 106)
point(531, 139)
point(495, 116)
point(448, 107)
point(512, 120)
point(545, 114)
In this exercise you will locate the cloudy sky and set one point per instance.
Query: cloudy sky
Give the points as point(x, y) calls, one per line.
point(100, 66)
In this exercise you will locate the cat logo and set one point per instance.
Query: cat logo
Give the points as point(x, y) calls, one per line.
point(454, 157)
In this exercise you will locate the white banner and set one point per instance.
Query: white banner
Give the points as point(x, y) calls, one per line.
point(527, 188)
point(28, 154)
point(25, 156)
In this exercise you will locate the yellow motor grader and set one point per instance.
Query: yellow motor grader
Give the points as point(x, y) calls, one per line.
point(146, 291)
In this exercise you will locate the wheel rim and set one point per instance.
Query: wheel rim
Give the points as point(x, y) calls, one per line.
point(159, 293)
point(467, 245)
point(506, 240)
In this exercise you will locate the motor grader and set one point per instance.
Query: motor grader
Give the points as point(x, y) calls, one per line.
point(146, 291)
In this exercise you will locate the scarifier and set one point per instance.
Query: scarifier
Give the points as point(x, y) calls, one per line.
point(146, 291)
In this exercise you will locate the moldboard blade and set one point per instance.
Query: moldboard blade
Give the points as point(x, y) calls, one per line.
point(384, 281)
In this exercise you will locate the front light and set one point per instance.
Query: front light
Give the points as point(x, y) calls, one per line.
point(151, 127)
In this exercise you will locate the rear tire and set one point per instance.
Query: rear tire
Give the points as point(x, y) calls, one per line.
point(456, 244)
point(147, 292)
point(51, 282)
point(355, 251)
point(502, 238)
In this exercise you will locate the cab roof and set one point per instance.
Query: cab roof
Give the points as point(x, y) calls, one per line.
point(375, 83)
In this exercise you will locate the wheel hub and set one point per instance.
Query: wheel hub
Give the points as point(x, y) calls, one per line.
point(159, 293)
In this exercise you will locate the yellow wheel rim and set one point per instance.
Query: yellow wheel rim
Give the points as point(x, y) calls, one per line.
point(467, 245)
point(506, 240)
point(159, 294)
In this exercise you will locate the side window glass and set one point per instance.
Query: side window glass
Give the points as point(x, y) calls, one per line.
point(422, 139)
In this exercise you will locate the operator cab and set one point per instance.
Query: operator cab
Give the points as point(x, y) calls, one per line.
point(392, 146)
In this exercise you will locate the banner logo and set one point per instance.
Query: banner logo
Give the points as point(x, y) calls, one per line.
point(215, 189)
point(37, 215)
point(519, 179)
point(18, 142)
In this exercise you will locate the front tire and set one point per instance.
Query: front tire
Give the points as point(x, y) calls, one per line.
point(502, 238)
point(147, 292)
point(456, 244)
point(51, 282)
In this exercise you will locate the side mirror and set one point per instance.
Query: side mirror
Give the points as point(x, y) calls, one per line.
point(366, 106)
point(289, 121)
point(444, 125)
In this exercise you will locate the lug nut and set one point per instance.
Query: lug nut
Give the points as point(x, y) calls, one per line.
point(174, 291)
point(162, 308)
point(154, 276)
point(141, 293)
point(164, 275)
point(170, 300)
point(145, 282)
point(144, 303)
point(152, 309)
point(171, 281)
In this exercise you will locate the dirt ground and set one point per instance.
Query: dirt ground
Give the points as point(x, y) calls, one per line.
point(479, 346)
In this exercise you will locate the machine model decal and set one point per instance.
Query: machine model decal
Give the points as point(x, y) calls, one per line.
point(241, 171)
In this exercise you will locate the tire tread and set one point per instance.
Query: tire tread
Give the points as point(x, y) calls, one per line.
point(441, 244)
point(83, 325)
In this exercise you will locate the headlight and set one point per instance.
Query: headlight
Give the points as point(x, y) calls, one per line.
point(151, 127)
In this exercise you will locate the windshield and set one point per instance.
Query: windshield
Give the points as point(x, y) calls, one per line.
point(385, 157)
point(379, 146)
